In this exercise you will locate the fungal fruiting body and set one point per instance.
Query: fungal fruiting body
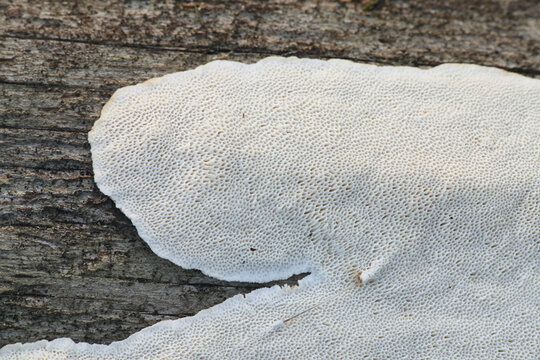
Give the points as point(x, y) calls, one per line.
point(411, 196)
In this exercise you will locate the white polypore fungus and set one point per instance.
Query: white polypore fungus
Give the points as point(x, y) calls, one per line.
point(412, 196)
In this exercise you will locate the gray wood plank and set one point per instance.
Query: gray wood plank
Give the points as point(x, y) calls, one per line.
point(71, 264)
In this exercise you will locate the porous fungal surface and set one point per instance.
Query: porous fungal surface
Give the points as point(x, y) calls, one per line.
point(411, 196)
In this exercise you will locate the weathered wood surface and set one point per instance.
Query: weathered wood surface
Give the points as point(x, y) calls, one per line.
point(70, 263)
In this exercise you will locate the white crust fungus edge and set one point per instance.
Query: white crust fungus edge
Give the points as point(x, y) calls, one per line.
point(412, 196)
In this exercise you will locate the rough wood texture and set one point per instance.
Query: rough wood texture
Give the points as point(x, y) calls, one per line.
point(70, 263)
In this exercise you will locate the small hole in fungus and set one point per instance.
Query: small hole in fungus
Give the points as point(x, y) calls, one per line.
point(252, 249)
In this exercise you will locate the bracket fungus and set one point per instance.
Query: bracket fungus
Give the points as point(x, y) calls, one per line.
point(411, 196)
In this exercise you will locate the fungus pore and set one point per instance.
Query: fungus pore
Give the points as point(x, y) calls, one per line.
point(411, 196)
